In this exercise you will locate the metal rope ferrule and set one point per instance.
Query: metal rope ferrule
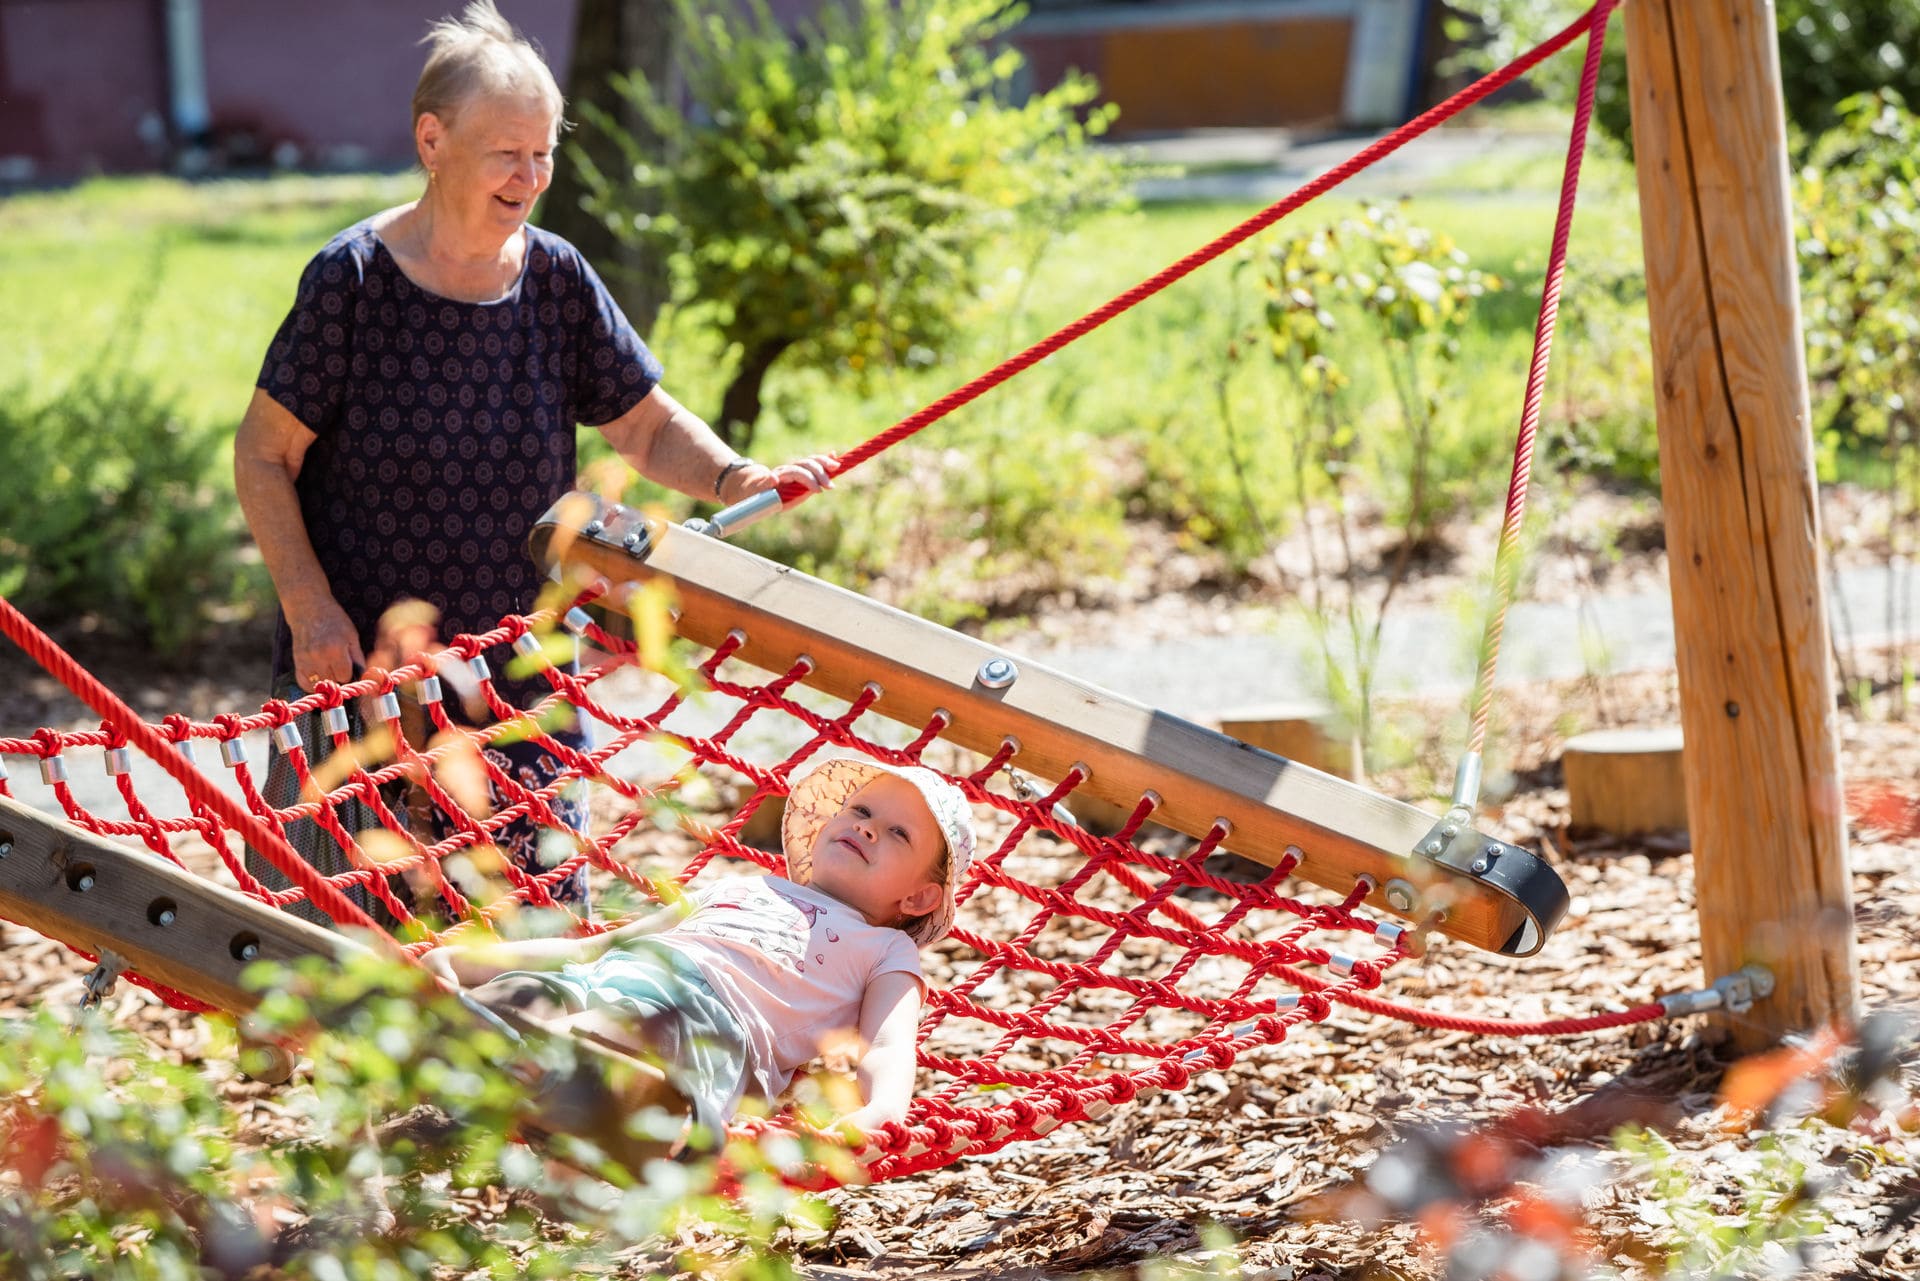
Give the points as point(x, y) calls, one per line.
point(730, 520)
point(1735, 993)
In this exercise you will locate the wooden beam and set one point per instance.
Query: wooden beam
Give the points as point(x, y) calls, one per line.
point(1742, 512)
point(1201, 776)
point(169, 925)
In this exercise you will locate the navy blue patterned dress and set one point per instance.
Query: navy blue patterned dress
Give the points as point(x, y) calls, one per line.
point(443, 430)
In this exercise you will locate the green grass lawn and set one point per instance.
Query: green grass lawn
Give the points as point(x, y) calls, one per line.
point(188, 280)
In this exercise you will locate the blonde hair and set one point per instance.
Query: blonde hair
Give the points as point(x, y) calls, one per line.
point(480, 54)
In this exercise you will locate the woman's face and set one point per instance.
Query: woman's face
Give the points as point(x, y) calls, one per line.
point(492, 160)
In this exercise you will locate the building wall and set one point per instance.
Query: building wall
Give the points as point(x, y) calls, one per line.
point(82, 85)
point(337, 88)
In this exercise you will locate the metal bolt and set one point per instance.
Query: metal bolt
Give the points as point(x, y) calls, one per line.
point(165, 916)
point(1450, 831)
point(594, 526)
point(83, 882)
point(1492, 851)
point(1401, 896)
point(1432, 847)
point(631, 541)
point(248, 952)
point(6, 848)
point(998, 673)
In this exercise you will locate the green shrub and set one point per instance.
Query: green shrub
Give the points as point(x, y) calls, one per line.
point(832, 192)
point(1829, 51)
point(112, 510)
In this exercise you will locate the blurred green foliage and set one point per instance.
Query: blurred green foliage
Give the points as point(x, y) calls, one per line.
point(116, 1164)
point(1830, 50)
point(830, 198)
point(112, 505)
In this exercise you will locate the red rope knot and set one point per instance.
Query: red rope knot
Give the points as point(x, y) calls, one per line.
point(1122, 1089)
point(1218, 1055)
point(892, 1137)
point(177, 728)
point(1175, 1076)
point(47, 743)
point(1316, 1004)
point(1024, 1114)
point(1367, 974)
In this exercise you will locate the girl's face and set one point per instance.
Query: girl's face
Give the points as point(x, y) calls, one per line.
point(879, 854)
point(491, 161)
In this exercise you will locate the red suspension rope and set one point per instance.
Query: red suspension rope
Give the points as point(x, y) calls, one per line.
point(1593, 20)
point(108, 706)
point(1505, 560)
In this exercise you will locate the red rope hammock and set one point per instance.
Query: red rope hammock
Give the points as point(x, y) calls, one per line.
point(1133, 968)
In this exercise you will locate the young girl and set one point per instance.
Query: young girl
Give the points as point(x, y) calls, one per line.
point(736, 994)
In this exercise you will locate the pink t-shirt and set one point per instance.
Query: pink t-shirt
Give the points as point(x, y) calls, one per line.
point(792, 964)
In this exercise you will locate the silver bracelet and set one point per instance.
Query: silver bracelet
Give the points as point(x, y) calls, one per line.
point(728, 470)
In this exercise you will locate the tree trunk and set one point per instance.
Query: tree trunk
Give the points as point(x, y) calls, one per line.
point(611, 37)
point(740, 407)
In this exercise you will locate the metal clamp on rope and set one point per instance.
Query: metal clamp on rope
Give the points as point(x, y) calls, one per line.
point(100, 980)
point(1734, 993)
point(1024, 788)
point(730, 520)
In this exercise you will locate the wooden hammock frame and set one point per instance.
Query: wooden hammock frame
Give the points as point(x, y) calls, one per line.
point(1484, 892)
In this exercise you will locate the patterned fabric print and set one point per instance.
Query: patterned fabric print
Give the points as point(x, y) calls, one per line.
point(444, 429)
point(524, 762)
point(533, 849)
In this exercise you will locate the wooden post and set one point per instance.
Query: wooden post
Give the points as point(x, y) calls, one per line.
point(1736, 467)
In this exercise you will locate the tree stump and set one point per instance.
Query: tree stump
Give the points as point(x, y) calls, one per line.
point(1626, 780)
point(1297, 731)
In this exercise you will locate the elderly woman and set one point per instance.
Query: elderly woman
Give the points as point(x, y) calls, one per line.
point(416, 411)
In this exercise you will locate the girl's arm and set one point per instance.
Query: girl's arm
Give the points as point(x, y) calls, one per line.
point(472, 964)
point(889, 1017)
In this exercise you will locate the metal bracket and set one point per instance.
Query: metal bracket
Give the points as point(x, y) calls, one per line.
point(1515, 873)
point(101, 978)
point(1735, 993)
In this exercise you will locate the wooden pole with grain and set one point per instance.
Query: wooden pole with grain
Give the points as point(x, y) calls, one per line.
point(1742, 515)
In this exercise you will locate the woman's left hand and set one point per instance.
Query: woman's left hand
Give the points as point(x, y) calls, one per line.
point(815, 471)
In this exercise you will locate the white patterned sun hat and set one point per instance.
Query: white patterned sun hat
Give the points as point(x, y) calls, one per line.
point(824, 793)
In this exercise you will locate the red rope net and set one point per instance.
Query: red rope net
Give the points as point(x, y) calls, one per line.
point(1084, 969)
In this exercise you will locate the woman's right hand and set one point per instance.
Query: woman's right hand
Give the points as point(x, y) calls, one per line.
point(326, 646)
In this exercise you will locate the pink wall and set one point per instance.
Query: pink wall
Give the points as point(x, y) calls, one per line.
point(77, 78)
point(339, 75)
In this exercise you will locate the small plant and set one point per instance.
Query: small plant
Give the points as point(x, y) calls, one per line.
point(1406, 293)
point(1860, 197)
